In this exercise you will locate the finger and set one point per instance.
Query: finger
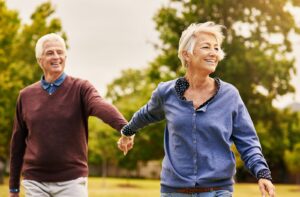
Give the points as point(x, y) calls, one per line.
point(125, 150)
point(262, 190)
point(121, 146)
point(271, 190)
point(129, 146)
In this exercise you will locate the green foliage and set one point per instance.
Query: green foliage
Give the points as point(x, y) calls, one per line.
point(18, 67)
point(102, 142)
point(292, 160)
point(256, 63)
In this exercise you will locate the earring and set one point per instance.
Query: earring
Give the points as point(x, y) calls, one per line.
point(186, 64)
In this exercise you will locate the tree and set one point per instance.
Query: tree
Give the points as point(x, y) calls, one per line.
point(18, 66)
point(128, 93)
point(257, 65)
point(292, 158)
point(102, 144)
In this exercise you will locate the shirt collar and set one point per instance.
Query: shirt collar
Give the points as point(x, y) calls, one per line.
point(57, 82)
point(182, 85)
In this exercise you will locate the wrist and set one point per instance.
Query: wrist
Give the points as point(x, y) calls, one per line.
point(264, 174)
point(14, 190)
point(126, 131)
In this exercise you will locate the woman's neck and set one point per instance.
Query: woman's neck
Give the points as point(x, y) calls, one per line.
point(197, 81)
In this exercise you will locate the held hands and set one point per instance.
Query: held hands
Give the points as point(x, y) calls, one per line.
point(125, 143)
point(266, 187)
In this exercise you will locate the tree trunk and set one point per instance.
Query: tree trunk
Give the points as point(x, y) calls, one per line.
point(104, 171)
point(2, 167)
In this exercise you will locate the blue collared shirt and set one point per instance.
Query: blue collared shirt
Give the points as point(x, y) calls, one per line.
point(52, 87)
point(198, 142)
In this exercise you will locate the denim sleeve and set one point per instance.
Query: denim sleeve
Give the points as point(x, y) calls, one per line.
point(246, 140)
point(149, 113)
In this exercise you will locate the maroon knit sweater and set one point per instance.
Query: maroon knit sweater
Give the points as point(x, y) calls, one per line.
point(50, 133)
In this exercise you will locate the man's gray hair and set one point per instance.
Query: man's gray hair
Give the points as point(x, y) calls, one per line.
point(39, 47)
point(188, 38)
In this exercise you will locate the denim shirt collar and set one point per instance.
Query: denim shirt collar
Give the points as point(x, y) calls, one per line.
point(57, 82)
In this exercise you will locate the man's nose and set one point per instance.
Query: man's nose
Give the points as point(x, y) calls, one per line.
point(55, 55)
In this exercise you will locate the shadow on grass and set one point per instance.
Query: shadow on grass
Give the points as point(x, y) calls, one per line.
point(128, 185)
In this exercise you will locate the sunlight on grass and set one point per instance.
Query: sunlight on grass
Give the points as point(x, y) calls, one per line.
point(115, 187)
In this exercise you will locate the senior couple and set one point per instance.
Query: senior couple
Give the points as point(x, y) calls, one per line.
point(204, 117)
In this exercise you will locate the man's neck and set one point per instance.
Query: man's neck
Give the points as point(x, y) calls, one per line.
point(51, 78)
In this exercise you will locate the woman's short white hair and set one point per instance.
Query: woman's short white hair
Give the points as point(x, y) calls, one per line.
point(188, 38)
point(39, 47)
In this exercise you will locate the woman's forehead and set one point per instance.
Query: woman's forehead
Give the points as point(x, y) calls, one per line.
point(203, 37)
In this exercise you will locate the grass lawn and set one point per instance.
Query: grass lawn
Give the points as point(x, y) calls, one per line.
point(113, 187)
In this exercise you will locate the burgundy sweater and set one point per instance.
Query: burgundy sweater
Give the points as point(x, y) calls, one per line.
point(50, 133)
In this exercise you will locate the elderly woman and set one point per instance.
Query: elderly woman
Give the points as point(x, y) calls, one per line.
point(204, 117)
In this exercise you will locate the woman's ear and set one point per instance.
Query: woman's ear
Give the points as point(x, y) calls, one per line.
point(186, 55)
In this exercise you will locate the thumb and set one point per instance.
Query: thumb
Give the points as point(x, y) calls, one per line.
point(125, 150)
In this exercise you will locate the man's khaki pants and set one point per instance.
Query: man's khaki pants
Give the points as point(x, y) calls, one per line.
point(72, 188)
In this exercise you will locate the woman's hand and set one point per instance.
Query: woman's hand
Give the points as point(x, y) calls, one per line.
point(266, 187)
point(125, 143)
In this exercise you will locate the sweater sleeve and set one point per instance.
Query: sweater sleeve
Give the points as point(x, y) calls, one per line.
point(149, 113)
point(95, 105)
point(17, 146)
point(246, 140)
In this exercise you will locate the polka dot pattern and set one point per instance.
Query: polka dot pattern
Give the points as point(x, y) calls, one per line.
point(127, 131)
point(182, 85)
point(264, 174)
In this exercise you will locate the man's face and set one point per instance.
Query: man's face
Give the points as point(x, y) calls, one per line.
point(53, 58)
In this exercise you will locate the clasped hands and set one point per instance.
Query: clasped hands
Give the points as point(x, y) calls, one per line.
point(125, 143)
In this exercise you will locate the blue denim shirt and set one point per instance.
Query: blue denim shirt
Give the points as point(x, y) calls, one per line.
point(52, 87)
point(197, 143)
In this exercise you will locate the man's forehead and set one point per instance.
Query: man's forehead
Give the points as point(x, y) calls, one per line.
point(53, 45)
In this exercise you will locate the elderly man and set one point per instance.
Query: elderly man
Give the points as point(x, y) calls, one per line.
point(50, 135)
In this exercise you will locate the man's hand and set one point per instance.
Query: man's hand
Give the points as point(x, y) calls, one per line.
point(125, 143)
point(266, 187)
point(13, 194)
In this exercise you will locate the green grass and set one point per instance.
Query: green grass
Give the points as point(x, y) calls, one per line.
point(113, 187)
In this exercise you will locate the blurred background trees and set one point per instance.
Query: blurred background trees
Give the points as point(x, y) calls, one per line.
point(259, 62)
point(18, 66)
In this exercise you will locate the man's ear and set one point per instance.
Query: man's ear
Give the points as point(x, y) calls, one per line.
point(39, 61)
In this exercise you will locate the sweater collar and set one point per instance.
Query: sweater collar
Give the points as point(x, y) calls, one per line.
point(57, 82)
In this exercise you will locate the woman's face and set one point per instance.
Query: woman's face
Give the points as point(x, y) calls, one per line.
point(205, 54)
